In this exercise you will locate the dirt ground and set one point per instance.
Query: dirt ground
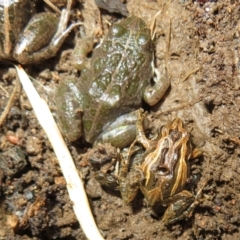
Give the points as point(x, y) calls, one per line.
point(199, 43)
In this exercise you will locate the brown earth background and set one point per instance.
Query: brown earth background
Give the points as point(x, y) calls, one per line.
point(202, 58)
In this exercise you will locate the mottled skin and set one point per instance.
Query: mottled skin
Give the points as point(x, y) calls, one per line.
point(121, 68)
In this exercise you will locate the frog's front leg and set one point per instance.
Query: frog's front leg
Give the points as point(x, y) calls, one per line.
point(129, 180)
point(125, 182)
point(181, 206)
point(107, 180)
point(153, 93)
point(43, 36)
point(124, 177)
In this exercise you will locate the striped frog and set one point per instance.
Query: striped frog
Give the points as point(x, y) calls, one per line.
point(161, 174)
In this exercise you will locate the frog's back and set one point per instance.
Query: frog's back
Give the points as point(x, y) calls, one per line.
point(120, 70)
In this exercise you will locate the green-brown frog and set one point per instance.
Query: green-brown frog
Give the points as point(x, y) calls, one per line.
point(105, 96)
point(162, 173)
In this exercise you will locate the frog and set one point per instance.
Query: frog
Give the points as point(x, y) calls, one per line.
point(102, 104)
point(28, 38)
point(162, 173)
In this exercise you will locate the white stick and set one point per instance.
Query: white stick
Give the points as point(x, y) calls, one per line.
point(74, 183)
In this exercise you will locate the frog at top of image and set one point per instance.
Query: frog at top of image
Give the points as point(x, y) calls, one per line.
point(27, 37)
point(102, 104)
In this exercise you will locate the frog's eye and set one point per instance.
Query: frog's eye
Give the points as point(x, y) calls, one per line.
point(142, 39)
point(163, 170)
point(118, 30)
point(110, 179)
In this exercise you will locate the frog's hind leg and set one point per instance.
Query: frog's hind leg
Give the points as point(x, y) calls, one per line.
point(182, 205)
point(43, 36)
point(121, 133)
point(161, 81)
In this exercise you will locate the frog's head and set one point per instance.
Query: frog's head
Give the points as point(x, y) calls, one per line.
point(166, 168)
point(133, 26)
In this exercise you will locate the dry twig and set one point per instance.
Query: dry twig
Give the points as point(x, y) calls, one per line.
point(15, 94)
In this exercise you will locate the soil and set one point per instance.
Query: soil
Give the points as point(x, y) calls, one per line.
point(198, 42)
